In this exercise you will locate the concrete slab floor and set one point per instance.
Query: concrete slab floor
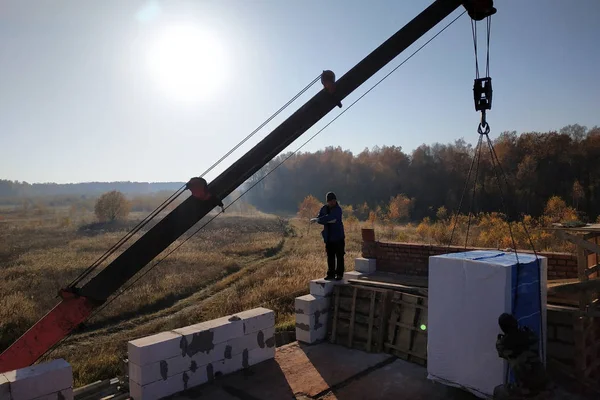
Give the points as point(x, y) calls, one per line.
point(331, 372)
point(326, 371)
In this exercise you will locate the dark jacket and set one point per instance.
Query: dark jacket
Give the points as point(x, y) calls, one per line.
point(333, 227)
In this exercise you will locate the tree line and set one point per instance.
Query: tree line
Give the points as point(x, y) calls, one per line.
point(537, 166)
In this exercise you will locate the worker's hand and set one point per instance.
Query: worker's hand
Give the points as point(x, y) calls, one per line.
point(313, 220)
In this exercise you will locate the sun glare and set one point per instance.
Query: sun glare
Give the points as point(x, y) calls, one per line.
point(187, 62)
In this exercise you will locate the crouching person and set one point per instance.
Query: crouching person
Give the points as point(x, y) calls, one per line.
point(519, 346)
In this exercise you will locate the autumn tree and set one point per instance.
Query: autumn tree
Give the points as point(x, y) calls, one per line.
point(309, 208)
point(399, 208)
point(112, 206)
point(558, 211)
point(578, 193)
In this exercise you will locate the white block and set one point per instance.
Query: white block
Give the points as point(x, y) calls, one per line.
point(256, 319)
point(174, 384)
point(322, 287)
point(250, 341)
point(312, 321)
point(365, 265)
point(205, 335)
point(66, 394)
point(226, 366)
point(4, 387)
point(309, 304)
point(472, 289)
point(39, 380)
point(311, 336)
point(154, 348)
point(353, 275)
point(163, 369)
point(259, 355)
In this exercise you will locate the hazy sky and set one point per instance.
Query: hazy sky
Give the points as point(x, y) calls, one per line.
point(159, 90)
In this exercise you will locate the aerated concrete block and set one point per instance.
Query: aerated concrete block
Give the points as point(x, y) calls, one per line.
point(151, 349)
point(39, 380)
point(312, 321)
point(256, 319)
point(224, 367)
point(311, 328)
point(309, 304)
point(251, 341)
point(353, 275)
point(310, 336)
point(205, 335)
point(365, 265)
point(259, 355)
point(159, 389)
point(322, 287)
point(66, 394)
point(4, 387)
point(163, 369)
point(174, 384)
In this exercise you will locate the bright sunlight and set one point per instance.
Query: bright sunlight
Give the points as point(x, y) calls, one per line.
point(187, 62)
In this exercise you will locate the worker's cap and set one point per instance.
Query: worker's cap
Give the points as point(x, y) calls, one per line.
point(331, 196)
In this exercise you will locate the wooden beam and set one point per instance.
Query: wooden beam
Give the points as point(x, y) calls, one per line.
point(589, 246)
point(576, 287)
point(371, 320)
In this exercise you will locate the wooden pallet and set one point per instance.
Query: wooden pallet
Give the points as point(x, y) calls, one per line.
point(407, 328)
point(358, 317)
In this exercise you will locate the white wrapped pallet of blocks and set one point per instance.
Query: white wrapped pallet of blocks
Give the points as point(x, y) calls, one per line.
point(468, 291)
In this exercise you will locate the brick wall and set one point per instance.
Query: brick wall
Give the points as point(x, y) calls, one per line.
point(413, 259)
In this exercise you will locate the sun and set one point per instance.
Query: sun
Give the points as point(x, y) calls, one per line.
point(187, 63)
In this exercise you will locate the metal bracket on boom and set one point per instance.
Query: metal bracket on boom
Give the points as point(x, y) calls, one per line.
point(199, 189)
point(479, 9)
point(328, 81)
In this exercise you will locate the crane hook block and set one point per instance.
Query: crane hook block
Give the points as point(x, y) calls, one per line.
point(479, 9)
point(328, 81)
point(482, 92)
point(199, 189)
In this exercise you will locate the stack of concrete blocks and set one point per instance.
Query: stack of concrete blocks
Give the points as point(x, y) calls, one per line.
point(312, 310)
point(171, 362)
point(48, 381)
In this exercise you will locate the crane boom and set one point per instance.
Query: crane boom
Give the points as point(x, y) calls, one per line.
point(76, 306)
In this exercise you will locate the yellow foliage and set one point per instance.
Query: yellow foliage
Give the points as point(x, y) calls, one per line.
point(493, 231)
point(309, 208)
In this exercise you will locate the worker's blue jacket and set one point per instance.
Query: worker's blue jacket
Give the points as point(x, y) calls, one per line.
point(331, 219)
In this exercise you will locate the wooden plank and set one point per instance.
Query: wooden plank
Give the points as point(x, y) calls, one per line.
point(351, 330)
point(382, 319)
point(392, 331)
point(371, 317)
point(336, 291)
point(392, 286)
point(410, 327)
point(581, 267)
point(409, 352)
point(409, 304)
point(580, 242)
point(576, 287)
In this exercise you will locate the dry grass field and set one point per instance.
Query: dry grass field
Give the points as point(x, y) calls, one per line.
point(235, 263)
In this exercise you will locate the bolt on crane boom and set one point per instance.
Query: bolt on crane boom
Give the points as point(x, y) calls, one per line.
point(77, 304)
